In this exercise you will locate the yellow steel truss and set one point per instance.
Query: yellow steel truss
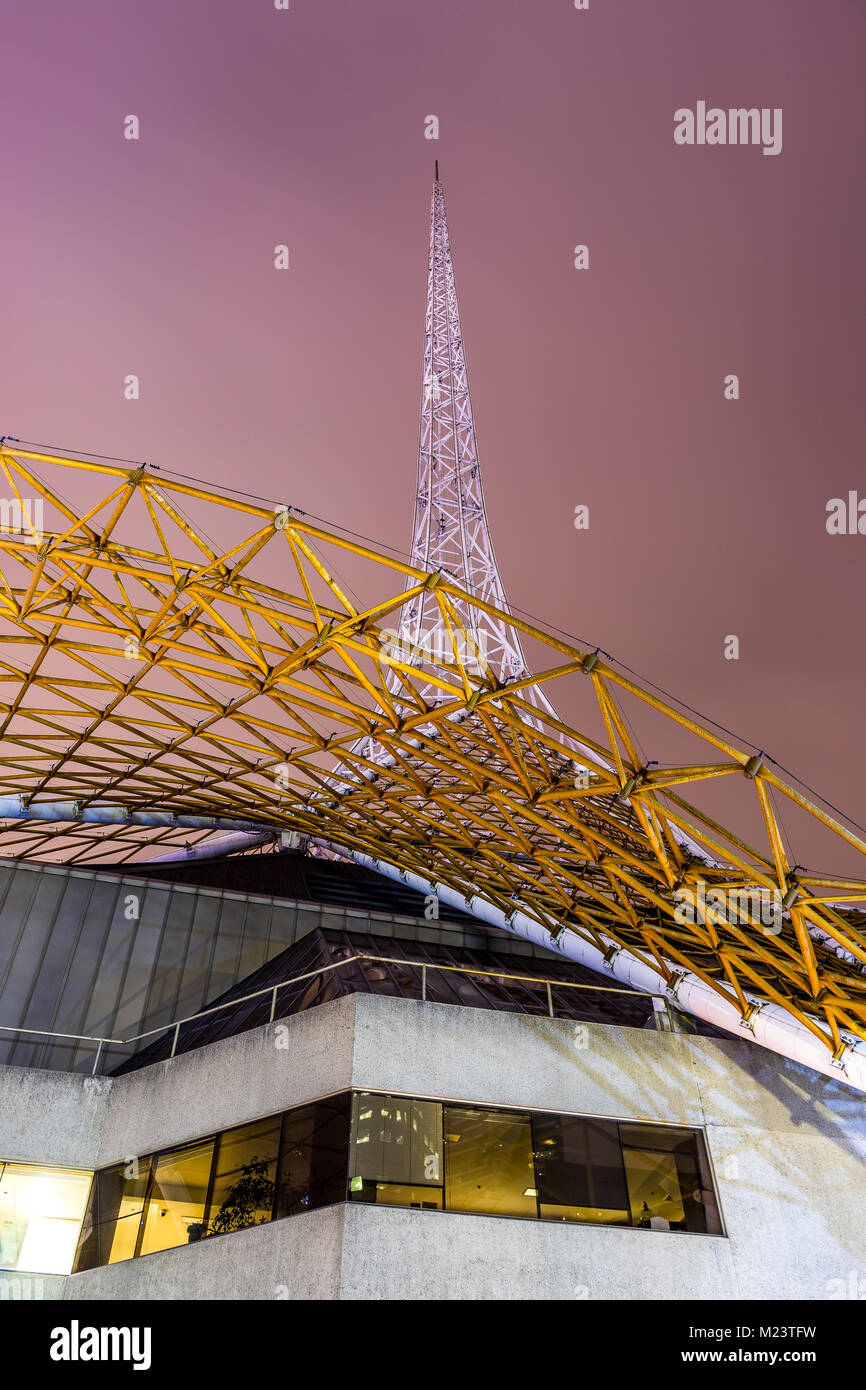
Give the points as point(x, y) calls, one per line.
point(145, 665)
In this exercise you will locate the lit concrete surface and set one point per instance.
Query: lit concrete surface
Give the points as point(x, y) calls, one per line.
point(298, 1258)
point(513, 1059)
point(382, 1253)
point(390, 1254)
point(52, 1117)
point(257, 1073)
point(788, 1148)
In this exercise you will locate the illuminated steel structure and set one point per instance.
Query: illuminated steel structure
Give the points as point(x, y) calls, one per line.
point(161, 688)
point(151, 680)
point(451, 533)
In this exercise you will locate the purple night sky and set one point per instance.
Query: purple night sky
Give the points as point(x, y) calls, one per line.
point(602, 387)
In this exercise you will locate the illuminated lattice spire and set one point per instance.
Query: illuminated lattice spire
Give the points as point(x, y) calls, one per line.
point(451, 532)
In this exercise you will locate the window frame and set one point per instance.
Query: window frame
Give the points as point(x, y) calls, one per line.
point(215, 1136)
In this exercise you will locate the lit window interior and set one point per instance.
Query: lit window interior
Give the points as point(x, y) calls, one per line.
point(41, 1210)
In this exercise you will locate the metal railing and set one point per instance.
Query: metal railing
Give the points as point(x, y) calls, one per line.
point(273, 991)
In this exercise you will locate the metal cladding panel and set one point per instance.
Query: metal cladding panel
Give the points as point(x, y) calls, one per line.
point(146, 938)
point(105, 917)
point(25, 933)
point(200, 949)
point(257, 935)
point(162, 999)
point(83, 950)
point(39, 990)
point(101, 955)
point(227, 953)
point(18, 892)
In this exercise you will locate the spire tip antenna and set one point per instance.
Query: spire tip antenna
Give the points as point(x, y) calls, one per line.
point(436, 168)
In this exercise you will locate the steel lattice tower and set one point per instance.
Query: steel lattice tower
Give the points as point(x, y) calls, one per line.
point(451, 531)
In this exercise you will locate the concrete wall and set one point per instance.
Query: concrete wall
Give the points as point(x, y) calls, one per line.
point(55, 1118)
point(299, 1258)
point(788, 1148)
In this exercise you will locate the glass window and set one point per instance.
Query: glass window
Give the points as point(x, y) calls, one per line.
point(177, 1198)
point(314, 1156)
point(669, 1182)
point(396, 1151)
point(579, 1169)
point(363, 1147)
point(114, 1214)
point(244, 1177)
point(488, 1162)
point(394, 1194)
point(41, 1210)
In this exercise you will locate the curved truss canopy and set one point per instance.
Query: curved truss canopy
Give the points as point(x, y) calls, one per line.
point(175, 662)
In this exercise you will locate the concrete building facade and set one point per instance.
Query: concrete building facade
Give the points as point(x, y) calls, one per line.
point(786, 1148)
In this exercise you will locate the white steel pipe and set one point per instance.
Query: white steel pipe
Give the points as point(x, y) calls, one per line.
point(19, 808)
point(213, 849)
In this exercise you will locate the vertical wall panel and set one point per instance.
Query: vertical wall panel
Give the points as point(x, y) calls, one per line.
point(162, 1000)
point(28, 961)
point(73, 959)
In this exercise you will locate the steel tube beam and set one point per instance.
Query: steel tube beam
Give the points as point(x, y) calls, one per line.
point(19, 808)
point(234, 843)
